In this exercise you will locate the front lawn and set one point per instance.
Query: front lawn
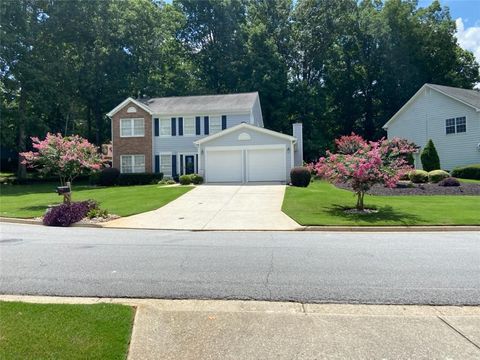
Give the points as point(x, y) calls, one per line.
point(323, 204)
point(28, 201)
point(46, 331)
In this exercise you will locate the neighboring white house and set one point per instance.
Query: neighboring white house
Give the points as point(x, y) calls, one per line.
point(447, 115)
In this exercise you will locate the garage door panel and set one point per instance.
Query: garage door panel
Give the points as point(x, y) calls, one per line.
point(224, 166)
point(266, 165)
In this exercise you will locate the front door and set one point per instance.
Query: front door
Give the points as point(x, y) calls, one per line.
point(189, 164)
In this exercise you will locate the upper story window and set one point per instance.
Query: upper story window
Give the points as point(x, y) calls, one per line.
point(165, 127)
point(132, 127)
point(189, 126)
point(215, 124)
point(132, 164)
point(456, 125)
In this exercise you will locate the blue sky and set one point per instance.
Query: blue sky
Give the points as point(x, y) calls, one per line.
point(467, 16)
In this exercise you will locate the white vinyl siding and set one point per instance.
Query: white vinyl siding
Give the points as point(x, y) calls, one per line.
point(189, 126)
point(425, 118)
point(132, 164)
point(165, 127)
point(166, 164)
point(215, 124)
point(132, 127)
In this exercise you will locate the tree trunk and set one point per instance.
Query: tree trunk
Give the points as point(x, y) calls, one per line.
point(22, 141)
point(360, 204)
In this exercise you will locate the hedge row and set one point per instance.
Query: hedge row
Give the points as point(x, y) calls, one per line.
point(467, 172)
point(111, 177)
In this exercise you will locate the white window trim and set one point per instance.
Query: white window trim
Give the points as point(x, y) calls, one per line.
point(169, 120)
point(210, 118)
point(132, 120)
point(194, 126)
point(160, 163)
point(455, 125)
point(133, 165)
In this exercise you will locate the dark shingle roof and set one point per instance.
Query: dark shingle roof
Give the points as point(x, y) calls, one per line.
point(201, 104)
point(471, 97)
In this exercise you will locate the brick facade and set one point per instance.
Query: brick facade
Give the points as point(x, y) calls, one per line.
point(132, 145)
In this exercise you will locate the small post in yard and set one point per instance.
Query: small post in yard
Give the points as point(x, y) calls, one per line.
point(66, 191)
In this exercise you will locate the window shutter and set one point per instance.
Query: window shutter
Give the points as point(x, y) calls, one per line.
point(157, 162)
point(206, 125)
point(174, 126)
point(181, 164)
point(224, 122)
point(180, 126)
point(174, 165)
point(156, 126)
point(197, 125)
point(196, 162)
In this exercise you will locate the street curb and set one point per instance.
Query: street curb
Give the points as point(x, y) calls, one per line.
point(419, 228)
point(326, 228)
point(38, 222)
point(254, 306)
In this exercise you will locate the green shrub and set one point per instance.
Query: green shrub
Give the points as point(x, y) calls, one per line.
point(418, 176)
point(300, 176)
point(196, 179)
point(429, 157)
point(467, 172)
point(105, 177)
point(167, 181)
point(437, 175)
point(185, 180)
point(139, 179)
point(96, 213)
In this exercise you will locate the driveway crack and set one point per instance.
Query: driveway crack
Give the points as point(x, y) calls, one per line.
point(459, 332)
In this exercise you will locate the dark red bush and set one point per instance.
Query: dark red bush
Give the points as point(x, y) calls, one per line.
point(449, 181)
point(65, 215)
point(300, 176)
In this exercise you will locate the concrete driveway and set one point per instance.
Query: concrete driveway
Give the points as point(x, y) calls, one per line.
point(218, 207)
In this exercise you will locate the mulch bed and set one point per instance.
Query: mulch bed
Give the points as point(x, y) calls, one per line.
point(422, 189)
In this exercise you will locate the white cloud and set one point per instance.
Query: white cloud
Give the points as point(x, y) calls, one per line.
point(469, 38)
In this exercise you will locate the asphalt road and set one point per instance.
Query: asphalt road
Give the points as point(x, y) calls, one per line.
point(399, 268)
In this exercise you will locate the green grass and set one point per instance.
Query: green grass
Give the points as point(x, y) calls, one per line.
point(27, 201)
point(469, 181)
point(46, 331)
point(323, 204)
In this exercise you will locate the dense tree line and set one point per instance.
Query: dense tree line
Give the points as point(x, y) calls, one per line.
point(336, 65)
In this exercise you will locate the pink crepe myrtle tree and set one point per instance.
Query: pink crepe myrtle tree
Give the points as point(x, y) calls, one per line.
point(66, 157)
point(362, 164)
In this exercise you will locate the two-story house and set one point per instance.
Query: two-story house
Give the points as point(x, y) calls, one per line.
point(449, 116)
point(220, 137)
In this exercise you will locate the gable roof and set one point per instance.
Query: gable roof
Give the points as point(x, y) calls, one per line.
point(202, 104)
point(468, 97)
point(125, 102)
point(245, 126)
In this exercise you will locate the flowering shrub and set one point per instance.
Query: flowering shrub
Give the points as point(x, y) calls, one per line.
point(67, 214)
point(362, 164)
point(65, 157)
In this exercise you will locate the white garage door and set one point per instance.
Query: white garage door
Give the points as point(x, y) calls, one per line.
point(266, 165)
point(224, 166)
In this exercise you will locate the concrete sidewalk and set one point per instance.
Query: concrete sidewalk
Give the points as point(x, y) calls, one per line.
point(217, 207)
point(191, 329)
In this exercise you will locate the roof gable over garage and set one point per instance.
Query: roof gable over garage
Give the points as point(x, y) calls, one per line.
point(245, 133)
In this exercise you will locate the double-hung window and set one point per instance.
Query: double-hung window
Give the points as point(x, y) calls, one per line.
point(189, 126)
point(166, 164)
point(165, 127)
point(132, 127)
point(132, 164)
point(215, 124)
point(456, 125)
